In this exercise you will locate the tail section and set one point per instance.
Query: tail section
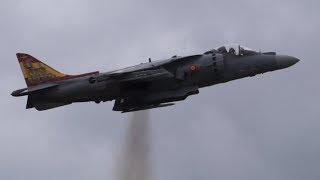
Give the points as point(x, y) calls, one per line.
point(39, 78)
point(36, 72)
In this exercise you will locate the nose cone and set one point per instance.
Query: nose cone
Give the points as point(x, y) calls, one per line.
point(285, 61)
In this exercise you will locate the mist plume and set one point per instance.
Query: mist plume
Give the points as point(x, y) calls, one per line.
point(134, 161)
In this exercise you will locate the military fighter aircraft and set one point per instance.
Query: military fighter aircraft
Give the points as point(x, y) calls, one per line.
point(147, 85)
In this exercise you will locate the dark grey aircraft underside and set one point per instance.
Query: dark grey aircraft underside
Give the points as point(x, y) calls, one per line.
point(147, 85)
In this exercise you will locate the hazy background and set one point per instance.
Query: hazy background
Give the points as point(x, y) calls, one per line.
point(265, 127)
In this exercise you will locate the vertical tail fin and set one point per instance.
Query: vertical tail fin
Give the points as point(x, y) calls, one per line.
point(36, 72)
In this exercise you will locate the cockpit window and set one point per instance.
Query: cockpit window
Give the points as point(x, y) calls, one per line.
point(235, 49)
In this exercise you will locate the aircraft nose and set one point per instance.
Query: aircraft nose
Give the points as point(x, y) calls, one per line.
point(285, 61)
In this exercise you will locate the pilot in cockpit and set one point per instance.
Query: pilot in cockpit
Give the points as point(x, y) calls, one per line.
point(222, 50)
point(232, 51)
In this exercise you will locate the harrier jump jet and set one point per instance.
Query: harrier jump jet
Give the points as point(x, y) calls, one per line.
point(147, 85)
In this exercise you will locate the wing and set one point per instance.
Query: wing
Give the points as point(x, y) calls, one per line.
point(143, 72)
point(135, 76)
point(148, 107)
point(150, 100)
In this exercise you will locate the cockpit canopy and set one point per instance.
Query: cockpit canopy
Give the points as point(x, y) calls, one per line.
point(233, 49)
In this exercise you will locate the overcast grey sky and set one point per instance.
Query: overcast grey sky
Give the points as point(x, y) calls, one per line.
point(265, 127)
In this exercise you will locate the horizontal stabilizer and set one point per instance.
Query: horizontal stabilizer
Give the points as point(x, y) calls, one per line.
point(33, 89)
